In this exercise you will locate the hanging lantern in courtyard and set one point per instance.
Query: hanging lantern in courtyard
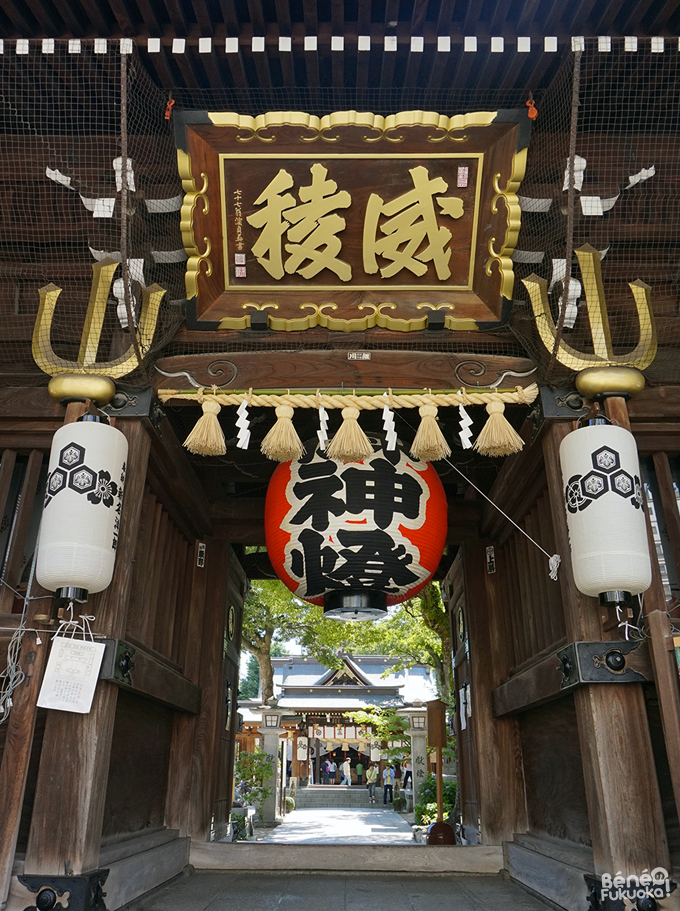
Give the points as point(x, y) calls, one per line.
point(81, 515)
point(356, 537)
point(605, 512)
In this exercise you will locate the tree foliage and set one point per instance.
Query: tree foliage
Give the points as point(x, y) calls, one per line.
point(416, 632)
point(252, 771)
point(387, 726)
point(273, 615)
point(249, 685)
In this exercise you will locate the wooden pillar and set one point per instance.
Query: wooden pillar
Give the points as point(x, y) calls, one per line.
point(207, 737)
point(178, 802)
point(65, 833)
point(499, 773)
point(32, 661)
point(616, 749)
point(659, 625)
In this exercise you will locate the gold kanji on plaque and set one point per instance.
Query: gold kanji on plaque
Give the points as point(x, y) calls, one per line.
point(411, 218)
point(311, 226)
point(403, 214)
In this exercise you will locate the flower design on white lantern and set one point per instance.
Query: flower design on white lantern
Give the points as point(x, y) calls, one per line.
point(574, 497)
point(78, 535)
point(56, 482)
point(604, 496)
point(105, 491)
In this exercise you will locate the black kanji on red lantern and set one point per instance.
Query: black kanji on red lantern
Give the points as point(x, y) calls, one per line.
point(374, 560)
point(377, 525)
point(377, 487)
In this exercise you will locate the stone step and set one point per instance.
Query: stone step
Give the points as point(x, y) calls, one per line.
point(261, 856)
point(319, 797)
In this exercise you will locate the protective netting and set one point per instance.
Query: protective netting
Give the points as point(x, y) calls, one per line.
point(61, 126)
point(625, 205)
point(62, 132)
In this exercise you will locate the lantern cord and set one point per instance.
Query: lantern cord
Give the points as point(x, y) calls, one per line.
point(73, 626)
point(13, 676)
point(554, 560)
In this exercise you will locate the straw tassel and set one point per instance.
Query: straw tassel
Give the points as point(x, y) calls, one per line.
point(350, 443)
point(207, 438)
point(282, 444)
point(498, 438)
point(429, 444)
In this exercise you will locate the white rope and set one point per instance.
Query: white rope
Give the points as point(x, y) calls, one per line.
point(13, 676)
point(554, 560)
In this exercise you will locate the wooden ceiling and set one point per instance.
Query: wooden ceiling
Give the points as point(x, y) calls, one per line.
point(292, 65)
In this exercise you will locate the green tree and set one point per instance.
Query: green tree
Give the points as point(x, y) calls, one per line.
point(272, 615)
point(417, 632)
point(387, 726)
point(252, 771)
point(249, 686)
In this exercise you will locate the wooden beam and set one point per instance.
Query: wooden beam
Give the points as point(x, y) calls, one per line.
point(206, 742)
point(499, 776)
point(82, 743)
point(550, 678)
point(581, 613)
point(655, 403)
point(150, 676)
point(178, 803)
point(302, 369)
point(177, 482)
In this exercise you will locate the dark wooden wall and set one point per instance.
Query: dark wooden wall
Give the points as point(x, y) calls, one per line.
point(139, 762)
point(562, 773)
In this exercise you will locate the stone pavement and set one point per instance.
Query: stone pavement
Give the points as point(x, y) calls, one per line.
point(386, 891)
point(337, 826)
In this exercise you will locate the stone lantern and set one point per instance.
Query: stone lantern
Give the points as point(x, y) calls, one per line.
point(270, 731)
point(416, 714)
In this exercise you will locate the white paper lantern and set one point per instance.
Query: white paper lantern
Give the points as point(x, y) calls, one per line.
point(605, 511)
point(302, 746)
point(81, 515)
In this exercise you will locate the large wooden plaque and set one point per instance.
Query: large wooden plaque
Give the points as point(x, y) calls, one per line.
point(352, 220)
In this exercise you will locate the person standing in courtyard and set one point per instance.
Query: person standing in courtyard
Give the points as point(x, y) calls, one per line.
point(388, 784)
point(359, 768)
point(332, 768)
point(371, 778)
point(347, 773)
point(324, 772)
point(408, 772)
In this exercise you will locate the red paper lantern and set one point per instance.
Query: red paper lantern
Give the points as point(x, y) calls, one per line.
point(355, 537)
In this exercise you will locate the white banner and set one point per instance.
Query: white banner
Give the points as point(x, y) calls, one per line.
point(302, 748)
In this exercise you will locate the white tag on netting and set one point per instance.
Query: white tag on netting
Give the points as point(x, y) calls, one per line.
point(465, 434)
point(322, 432)
point(243, 424)
point(388, 427)
point(71, 675)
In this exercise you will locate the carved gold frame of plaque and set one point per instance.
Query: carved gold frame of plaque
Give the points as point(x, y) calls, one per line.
point(383, 128)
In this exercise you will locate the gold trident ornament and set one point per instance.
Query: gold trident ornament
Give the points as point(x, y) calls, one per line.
point(601, 372)
point(86, 377)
